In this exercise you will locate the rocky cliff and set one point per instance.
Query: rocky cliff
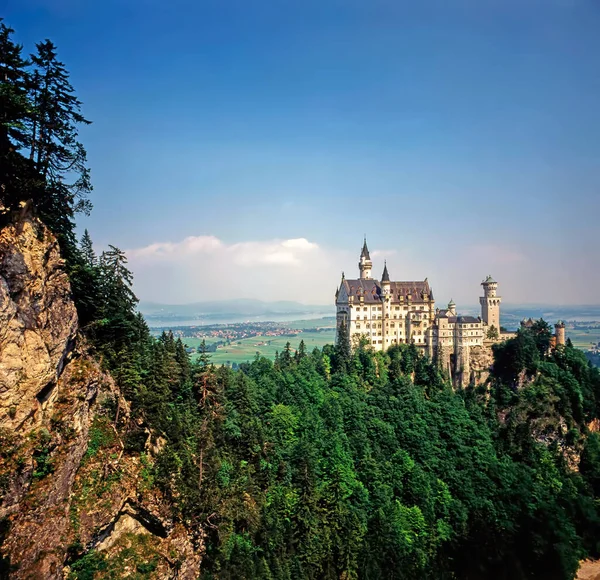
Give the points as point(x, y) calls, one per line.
point(73, 502)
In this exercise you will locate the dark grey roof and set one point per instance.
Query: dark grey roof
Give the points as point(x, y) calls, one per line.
point(365, 251)
point(457, 319)
point(466, 319)
point(385, 277)
point(371, 289)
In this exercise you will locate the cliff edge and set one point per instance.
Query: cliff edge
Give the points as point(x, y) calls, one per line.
point(73, 502)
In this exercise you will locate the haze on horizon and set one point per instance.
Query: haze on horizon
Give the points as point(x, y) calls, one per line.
point(249, 145)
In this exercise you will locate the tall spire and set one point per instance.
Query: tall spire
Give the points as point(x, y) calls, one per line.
point(385, 277)
point(364, 264)
point(365, 250)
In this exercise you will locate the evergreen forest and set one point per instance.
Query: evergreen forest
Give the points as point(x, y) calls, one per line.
point(336, 463)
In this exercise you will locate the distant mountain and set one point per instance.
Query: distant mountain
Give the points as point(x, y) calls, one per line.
point(512, 314)
point(224, 308)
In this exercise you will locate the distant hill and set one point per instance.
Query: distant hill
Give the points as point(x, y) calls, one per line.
point(512, 314)
point(231, 308)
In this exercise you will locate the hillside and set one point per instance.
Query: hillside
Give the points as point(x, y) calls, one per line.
point(323, 464)
point(228, 311)
point(68, 483)
point(121, 457)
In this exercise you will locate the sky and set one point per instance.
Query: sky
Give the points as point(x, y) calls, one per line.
point(243, 148)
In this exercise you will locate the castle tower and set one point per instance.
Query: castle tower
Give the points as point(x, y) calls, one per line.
point(386, 303)
point(385, 281)
point(452, 307)
point(490, 303)
point(559, 329)
point(365, 265)
point(431, 307)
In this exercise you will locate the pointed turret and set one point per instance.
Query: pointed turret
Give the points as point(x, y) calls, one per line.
point(385, 281)
point(337, 292)
point(364, 264)
point(365, 251)
point(385, 277)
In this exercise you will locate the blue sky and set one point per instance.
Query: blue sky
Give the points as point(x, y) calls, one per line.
point(463, 137)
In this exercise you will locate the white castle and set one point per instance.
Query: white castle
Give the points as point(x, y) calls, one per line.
point(384, 313)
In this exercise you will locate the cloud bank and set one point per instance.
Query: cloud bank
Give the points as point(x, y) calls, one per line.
point(201, 268)
point(207, 268)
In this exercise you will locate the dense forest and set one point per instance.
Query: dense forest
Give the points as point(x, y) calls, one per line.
point(334, 464)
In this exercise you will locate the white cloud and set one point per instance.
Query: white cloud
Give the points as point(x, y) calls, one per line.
point(382, 254)
point(205, 267)
point(200, 268)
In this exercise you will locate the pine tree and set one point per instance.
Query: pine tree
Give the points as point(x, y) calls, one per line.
point(87, 250)
point(342, 353)
point(13, 94)
point(203, 359)
point(285, 359)
point(301, 352)
point(18, 178)
point(118, 279)
point(53, 142)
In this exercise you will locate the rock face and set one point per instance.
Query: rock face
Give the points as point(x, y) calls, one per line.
point(71, 497)
point(482, 359)
point(38, 322)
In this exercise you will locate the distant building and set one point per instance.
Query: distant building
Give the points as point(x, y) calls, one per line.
point(557, 339)
point(385, 313)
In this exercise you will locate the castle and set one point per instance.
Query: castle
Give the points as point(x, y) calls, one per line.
point(385, 313)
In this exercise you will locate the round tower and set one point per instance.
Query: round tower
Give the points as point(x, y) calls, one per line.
point(365, 265)
point(559, 329)
point(490, 303)
point(452, 307)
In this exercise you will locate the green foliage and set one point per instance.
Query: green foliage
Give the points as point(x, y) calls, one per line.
point(101, 435)
point(334, 464)
point(41, 454)
point(492, 333)
point(89, 566)
point(380, 470)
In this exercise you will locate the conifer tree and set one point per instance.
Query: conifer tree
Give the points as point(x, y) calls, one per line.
point(301, 352)
point(52, 141)
point(18, 179)
point(342, 353)
point(87, 250)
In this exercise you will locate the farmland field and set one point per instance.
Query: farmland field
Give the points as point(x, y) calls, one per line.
point(243, 350)
point(583, 337)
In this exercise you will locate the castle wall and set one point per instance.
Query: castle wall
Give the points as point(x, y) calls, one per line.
point(389, 313)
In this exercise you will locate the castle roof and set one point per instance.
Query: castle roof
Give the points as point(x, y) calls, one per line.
point(452, 318)
point(365, 251)
point(385, 277)
point(371, 289)
point(467, 319)
point(489, 280)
